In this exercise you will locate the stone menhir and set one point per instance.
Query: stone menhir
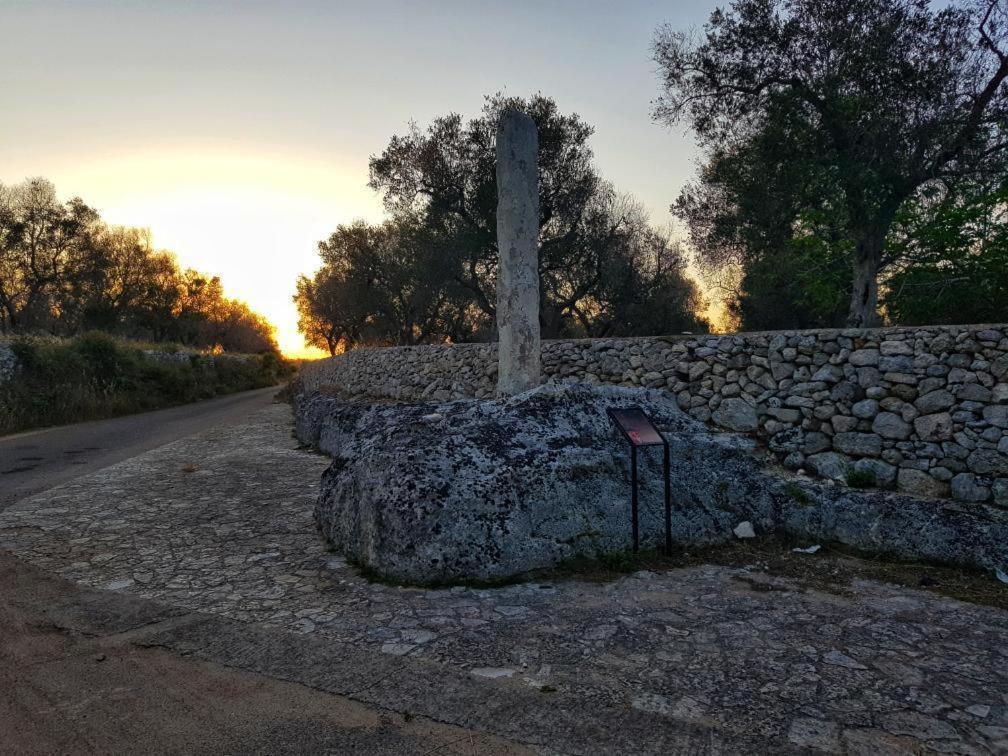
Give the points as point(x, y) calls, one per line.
point(518, 353)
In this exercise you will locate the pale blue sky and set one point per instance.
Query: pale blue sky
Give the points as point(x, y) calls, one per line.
point(240, 132)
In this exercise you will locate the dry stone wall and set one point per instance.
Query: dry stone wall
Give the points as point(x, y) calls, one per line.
point(8, 363)
point(923, 410)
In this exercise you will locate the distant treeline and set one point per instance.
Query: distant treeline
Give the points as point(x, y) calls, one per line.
point(428, 273)
point(65, 271)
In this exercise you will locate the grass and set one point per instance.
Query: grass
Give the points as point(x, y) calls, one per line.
point(96, 376)
point(863, 478)
point(833, 569)
point(798, 494)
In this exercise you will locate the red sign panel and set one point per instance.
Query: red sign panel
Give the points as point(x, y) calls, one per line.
point(637, 426)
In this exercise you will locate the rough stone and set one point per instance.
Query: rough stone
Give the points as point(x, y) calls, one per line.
point(920, 483)
point(843, 423)
point(866, 409)
point(996, 415)
point(736, 414)
point(935, 401)
point(858, 444)
point(474, 496)
point(903, 365)
point(936, 427)
point(744, 530)
point(891, 425)
point(892, 348)
point(814, 735)
point(794, 461)
point(999, 394)
point(973, 392)
point(828, 374)
point(790, 440)
point(816, 442)
point(999, 490)
point(829, 465)
point(988, 462)
point(864, 357)
point(965, 487)
point(883, 473)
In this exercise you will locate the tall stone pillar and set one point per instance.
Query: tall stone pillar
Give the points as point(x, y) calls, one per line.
point(518, 355)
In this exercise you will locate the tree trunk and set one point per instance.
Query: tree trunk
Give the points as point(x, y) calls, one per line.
point(864, 294)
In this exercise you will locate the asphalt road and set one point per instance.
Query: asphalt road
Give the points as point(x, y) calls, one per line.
point(34, 461)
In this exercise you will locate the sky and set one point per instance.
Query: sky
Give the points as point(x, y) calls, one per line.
point(240, 133)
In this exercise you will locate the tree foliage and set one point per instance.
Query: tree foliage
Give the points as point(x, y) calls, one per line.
point(954, 259)
point(823, 119)
point(429, 272)
point(65, 271)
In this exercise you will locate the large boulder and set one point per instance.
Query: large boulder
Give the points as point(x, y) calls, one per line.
point(429, 493)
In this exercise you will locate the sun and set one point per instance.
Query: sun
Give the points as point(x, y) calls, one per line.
point(254, 220)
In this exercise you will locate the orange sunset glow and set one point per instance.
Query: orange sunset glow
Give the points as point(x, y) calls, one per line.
point(240, 134)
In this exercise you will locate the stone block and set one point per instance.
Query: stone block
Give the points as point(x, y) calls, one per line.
point(894, 348)
point(934, 401)
point(828, 374)
point(864, 357)
point(789, 440)
point(937, 427)
point(988, 462)
point(866, 409)
point(883, 473)
point(816, 442)
point(843, 423)
point(829, 465)
point(737, 415)
point(966, 487)
point(899, 364)
point(891, 425)
point(858, 444)
point(996, 415)
point(919, 483)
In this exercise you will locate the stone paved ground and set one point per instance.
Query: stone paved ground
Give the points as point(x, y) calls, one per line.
point(707, 658)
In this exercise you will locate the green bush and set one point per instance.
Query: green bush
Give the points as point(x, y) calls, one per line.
point(96, 376)
point(864, 478)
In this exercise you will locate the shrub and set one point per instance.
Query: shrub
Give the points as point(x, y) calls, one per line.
point(96, 376)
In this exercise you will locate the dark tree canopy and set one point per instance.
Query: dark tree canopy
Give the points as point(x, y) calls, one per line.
point(953, 251)
point(64, 271)
point(823, 118)
point(429, 272)
point(379, 285)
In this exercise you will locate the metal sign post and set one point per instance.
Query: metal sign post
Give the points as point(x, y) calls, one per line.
point(639, 430)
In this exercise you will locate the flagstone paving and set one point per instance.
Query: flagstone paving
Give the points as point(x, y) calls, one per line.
point(220, 523)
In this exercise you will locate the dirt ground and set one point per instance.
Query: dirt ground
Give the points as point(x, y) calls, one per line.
point(72, 681)
point(209, 615)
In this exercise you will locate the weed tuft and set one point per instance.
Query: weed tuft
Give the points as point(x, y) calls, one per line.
point(863, 478)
